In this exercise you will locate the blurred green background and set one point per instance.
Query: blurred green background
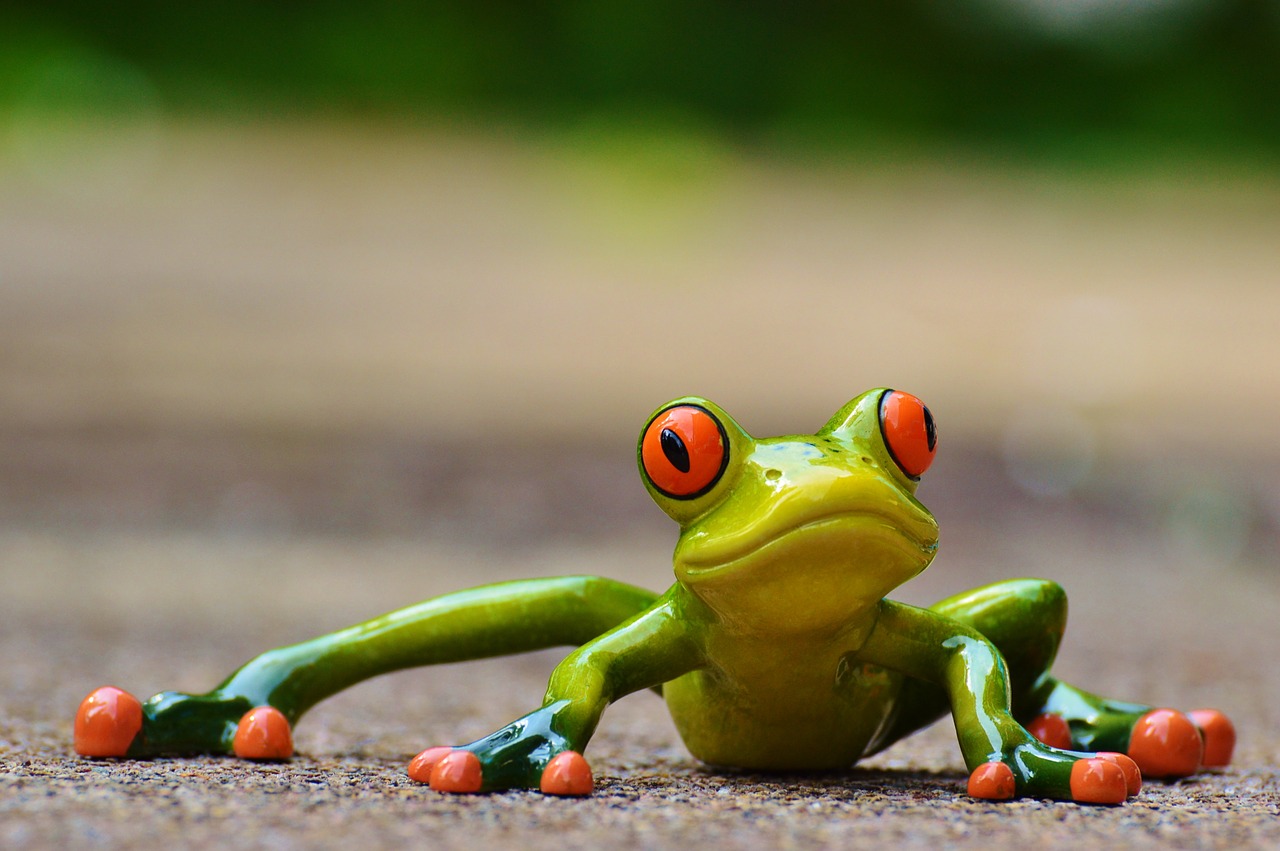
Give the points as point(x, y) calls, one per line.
point(274, 268)
point(1094, 80)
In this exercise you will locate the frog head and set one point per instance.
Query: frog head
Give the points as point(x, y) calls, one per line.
point(796, 533)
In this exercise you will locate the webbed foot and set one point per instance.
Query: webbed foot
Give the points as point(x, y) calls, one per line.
point(1037, 771)
point(526, 754)
point(113, 723)
point(459, 771)
point(1094, 780)
point(1163, 742)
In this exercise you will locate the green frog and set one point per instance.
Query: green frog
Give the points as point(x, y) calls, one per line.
point(775, 650)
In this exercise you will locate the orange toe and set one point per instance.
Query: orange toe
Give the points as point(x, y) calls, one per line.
point(420, 766)
point(1051, 729)
point(1098, 780)
point(457, 771)
point(263, 733)
point(992, 781)
point(1132, 774)
point(1165, 743)
point(1219, 736)
point(107, 722)
point(567, 774)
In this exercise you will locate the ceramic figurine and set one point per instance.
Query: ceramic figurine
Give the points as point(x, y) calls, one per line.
point(776, 648)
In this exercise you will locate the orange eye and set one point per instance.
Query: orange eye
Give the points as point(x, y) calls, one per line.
point(684, 451)
point(908, 431)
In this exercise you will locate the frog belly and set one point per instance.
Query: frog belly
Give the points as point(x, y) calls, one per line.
point(792, 723)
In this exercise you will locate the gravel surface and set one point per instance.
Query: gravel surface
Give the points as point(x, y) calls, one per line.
point(109, 608)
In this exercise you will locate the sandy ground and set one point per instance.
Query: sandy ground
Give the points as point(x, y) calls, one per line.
point(364, 278)
point(124, 614)
point(258, 383)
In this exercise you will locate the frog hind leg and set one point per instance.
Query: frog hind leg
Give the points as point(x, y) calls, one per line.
point(253, 712)
point(991, 685)
point(1025, 620)
point(1164, 742)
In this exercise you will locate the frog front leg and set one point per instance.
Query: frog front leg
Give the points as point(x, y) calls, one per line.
point(1004, 759)
point(252, 713)
point(544, 748)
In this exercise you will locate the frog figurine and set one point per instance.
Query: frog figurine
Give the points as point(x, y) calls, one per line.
point(775, 650)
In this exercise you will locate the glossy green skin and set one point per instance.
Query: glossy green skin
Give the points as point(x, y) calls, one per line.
point(782, 569)
point(776, 648)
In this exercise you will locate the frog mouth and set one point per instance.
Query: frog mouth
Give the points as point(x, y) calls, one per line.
point(704, 561)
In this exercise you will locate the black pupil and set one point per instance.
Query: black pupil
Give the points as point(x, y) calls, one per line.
point(673, 447)
point(930, 430)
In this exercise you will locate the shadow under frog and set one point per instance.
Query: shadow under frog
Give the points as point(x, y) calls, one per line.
point(776, 649)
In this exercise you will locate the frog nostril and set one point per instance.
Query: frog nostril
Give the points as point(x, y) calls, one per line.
point(866, 460)
point(772, 474)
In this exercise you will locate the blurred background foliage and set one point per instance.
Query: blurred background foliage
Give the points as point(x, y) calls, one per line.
point(1093, 81)
point(239, 240)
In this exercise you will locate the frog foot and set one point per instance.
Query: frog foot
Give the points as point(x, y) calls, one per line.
point(459, 771)
point(1219, 736)
point(1102, 778)
point(107, 722)
point(113, 723)
point(1166, 743)
point(528, 753)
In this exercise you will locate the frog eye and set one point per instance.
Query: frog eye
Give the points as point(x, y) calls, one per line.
point(684, 451)
point(908, 431)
